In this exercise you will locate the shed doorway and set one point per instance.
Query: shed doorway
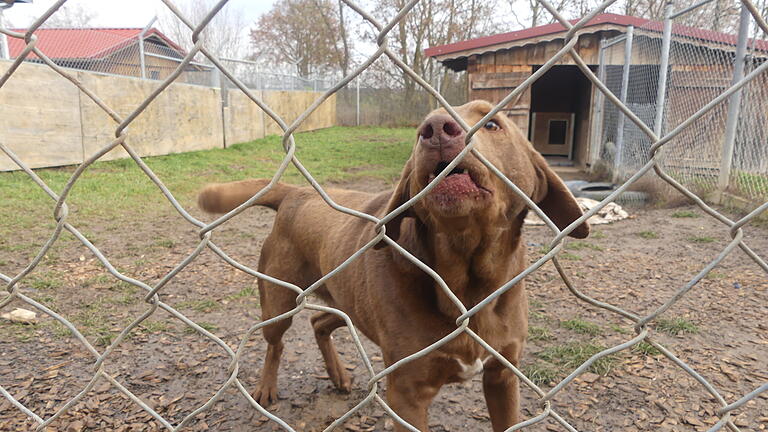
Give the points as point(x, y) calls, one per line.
point(560, 113)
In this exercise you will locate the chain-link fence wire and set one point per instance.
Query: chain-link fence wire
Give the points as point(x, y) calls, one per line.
point(369, 103)
point(701, 67)
point(253, 75)
point(643, 325)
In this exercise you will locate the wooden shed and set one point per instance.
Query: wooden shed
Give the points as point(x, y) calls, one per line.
point(558, 112)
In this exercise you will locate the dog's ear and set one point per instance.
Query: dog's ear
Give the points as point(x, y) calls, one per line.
point(400, 195)
point(554, 198)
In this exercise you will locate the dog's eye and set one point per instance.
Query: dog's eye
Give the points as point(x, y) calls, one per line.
point(492, 125)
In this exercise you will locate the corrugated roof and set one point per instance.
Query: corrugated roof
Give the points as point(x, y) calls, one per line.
point(84, 43)
point(601, 19)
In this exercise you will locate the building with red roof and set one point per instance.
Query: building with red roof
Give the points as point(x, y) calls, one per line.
point(108, 50)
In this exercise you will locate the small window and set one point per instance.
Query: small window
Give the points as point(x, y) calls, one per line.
point(558, 130)
point(154, 75)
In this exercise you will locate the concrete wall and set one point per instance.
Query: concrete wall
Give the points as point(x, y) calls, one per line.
point(46, 121)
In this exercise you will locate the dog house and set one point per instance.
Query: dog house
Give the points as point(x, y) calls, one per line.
point(559, 113)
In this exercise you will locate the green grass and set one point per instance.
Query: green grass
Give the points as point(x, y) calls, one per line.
point(646, 349)
point(676, 326)
point(568, 256)
point(116, 190)
point(685, 214)
point(540, 373)
point(536, 333)
point(714, 274)
point(648, 235)
point(582, 327)
point(205, 325)
point(151, 326)
point(571, 355)
point(751, 184)
point(244, 293)
point(701, 239)
point(597, 235)
point(619, 329)
point(43, 281)
point(165, 243)
point(199, 305)
point(93, 322)
point(581, 245)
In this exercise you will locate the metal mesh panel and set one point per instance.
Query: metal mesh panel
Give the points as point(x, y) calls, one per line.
point(701, 67)
point(16, 284)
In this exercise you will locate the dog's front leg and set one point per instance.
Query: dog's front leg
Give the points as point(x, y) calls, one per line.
point(409, 396)
point(502, 391)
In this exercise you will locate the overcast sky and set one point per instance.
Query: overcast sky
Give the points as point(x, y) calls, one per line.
point(122, 13)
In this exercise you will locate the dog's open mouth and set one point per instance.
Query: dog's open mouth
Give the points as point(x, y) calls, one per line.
point(458, 183)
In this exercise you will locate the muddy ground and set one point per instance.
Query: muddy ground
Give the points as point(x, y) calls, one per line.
point(719, 328)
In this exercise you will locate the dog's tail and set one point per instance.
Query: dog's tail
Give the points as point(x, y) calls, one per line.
point(223, 197)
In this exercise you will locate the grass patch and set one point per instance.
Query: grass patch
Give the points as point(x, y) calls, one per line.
point(648, 235)
point(568, 256)
point(582, 327)
point(205, 325)
point(702, 239)
point(199, 305)
point(21, 332)
point(676, 326)
point(573, 354)
point(247, 292)
point(714, 274)
point(581, 245)
point(536, 333)
point(646, 349)
point(165, 243)
point(597, 235)
point(116, 190)
point(43, 281)
point(619, 329)
point(685, 214)
point(151, 326)
point(93, 322)
point(539, 373)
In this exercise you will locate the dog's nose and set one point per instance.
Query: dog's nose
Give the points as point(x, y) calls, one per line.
point(440, 129)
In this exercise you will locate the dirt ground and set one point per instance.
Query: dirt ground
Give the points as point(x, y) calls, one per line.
point(719, 328)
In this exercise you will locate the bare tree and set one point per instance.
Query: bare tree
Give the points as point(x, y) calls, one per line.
point(225, 35)
point(430, 23)
point(71, 15)
point(530, 13)
point(312, 35)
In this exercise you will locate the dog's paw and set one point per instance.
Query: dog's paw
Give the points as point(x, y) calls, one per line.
point(266, 394)
point(341, 379)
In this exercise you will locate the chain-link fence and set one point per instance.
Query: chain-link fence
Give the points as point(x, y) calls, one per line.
point(725, 151)
point(643, 324)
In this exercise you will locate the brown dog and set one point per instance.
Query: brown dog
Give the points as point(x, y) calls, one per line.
point(468, 229)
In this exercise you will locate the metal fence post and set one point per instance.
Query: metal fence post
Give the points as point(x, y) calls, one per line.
point(4, 51)
point(357, 103)
point(623, 98)
point(142, 61)
point(661, 90)
point(734, 104)
point(597, 112)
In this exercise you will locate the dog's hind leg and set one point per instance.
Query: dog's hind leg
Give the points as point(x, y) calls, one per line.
point(275, 300)
point(324, 324)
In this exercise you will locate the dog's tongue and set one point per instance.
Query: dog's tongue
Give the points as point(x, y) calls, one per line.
point(456, 184)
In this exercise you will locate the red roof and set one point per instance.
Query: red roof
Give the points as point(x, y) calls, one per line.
point(601, 19)
point(84, 43)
